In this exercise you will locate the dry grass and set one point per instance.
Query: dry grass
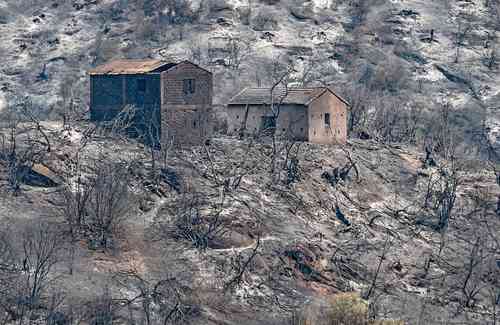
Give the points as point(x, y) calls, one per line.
point(341, 309)
point(348, 308)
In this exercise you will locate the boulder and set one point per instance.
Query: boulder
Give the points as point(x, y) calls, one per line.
point(302, 12)
point(264, 21)
point(451, 75)
point(220, 5)
point(409, 13)
point(222, 21)
point(5, 16)
point(39, 175)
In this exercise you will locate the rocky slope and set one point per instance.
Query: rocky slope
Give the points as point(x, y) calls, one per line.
point(242, 245)
point(49, 44)
point(304, 234)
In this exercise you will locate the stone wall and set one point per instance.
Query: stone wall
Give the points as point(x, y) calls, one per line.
point(307, 124)
point(185, 117)
point(109, 94)
point(319, 132)
point(106, 97)
point(292, 119)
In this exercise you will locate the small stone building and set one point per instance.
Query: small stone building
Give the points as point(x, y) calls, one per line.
point(315, 115)
point(171, 101)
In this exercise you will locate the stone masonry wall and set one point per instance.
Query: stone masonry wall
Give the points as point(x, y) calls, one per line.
point(292, 119)
point(319, 132)
point(185, 117)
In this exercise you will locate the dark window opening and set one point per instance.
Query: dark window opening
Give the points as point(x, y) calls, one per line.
point(194, 124)
point(237, 117)
point(327, 119)
point(268, 122)
point(141, 85)
point(188, 86)
point(284, 129)
point(301, 129)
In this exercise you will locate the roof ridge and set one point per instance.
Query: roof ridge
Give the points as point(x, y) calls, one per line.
point(130, 66)
point(293, 95)
point(125, 59)
point(131, 60)
point(313, 98)
point(341, 98)
point(239, 93)
point(307, 88)
point(312, 87)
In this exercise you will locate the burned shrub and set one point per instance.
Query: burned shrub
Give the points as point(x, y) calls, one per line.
point(27, 259)
point(101, 311)
point(335, 176)
point(171, 177)
point(340, 215)
point(293, 171)
point(264, 20)
point(109, 203)
point(195, 220)
point(440, 198)
point(96, 207)
point(391, 76)
point(219, 5)
point(244, 12)
point(341, 174)
point(180, 12)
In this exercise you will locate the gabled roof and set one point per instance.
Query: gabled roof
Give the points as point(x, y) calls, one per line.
point(131, 67)
point(186, 62)
point(262, 96)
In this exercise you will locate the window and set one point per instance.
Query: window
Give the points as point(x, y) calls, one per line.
point(268, 122)
point(327, 119)
point(188, 86)
point(237, 117)
point(141, 85)
point(194, 124)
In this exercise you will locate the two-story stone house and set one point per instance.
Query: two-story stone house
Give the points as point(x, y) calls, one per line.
point(171, 100)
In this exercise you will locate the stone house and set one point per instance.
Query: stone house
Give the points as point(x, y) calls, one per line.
point(316, 115)
point(171, 101)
